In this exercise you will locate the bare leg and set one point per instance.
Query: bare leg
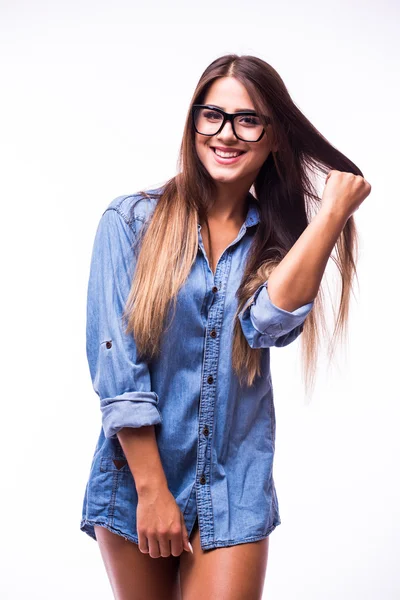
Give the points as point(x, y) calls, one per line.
point(134, 575)
point(230, 573)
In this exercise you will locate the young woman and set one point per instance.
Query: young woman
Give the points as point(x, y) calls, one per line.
point(190, 286)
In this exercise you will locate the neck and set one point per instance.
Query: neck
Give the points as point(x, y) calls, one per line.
point(230, 203)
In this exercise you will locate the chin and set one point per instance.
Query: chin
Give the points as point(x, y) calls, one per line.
point(223, 177)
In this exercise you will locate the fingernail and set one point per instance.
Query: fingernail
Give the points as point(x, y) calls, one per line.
point(190, 546)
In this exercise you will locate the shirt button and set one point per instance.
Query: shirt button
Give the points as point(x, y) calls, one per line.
point(206, 431)
point(215, 289)
point(210, 379)
point(202, 480)
point(213, 333)
point(108, 344)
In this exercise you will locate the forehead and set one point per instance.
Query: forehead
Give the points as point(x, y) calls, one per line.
point(229, 94)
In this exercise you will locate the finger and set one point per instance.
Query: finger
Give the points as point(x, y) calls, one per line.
point(177, 544)
point(165, 547)
point(154, 549)
point(143, 543)
point(185, 535)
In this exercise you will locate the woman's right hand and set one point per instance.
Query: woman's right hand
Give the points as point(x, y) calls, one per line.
point(160, 524)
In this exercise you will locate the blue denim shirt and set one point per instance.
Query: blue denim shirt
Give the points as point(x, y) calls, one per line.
point(216, 440)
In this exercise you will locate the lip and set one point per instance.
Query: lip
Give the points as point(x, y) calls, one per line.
point(226, 161)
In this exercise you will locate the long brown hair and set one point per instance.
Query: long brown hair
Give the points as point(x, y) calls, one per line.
point(286, 191)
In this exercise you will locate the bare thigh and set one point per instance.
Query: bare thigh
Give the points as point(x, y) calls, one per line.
point(134, 575)
point(230, 573)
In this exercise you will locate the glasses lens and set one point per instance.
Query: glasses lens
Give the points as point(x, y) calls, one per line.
point(248, 127)
point(208, 121)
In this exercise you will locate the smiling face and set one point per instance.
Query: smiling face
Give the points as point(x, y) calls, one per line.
point(230, 95)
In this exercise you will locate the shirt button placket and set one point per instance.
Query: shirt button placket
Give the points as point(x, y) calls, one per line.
point(208, 394)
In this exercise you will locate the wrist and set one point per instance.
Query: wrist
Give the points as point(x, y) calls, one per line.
point(334, 214)
point(150, 486)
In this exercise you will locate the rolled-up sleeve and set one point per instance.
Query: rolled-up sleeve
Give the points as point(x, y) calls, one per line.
point(119, 378)
point(264, 324)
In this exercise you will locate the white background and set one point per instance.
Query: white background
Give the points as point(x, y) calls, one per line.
point(83, 88)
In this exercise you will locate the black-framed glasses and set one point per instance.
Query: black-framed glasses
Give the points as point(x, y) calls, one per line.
point(246, 125)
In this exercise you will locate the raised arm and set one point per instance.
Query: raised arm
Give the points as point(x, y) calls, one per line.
point(296, 280)
point(277, 310)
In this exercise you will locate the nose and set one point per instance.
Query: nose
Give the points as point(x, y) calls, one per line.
point(227, 133)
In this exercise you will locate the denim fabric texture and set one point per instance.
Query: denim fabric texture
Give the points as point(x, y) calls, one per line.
point(216, 440)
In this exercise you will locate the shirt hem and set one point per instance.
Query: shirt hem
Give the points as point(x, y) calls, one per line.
point(87, 526)
point(236, 542)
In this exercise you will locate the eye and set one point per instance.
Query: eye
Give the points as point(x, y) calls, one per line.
point(249, 120)
point(212, 115)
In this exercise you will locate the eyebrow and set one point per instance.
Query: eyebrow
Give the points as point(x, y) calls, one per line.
point(236, 109)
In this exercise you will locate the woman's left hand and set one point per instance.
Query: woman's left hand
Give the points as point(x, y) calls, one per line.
point(344, 192)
